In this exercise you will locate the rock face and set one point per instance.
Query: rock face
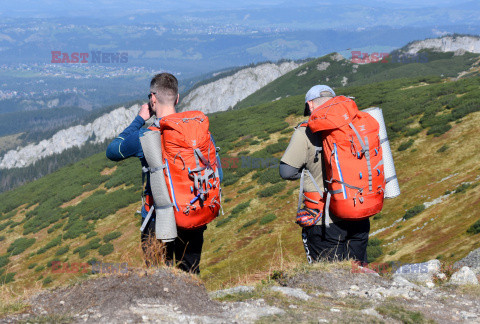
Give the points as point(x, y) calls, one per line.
point(465, 276)
point(472, 260)
point(105, 127)
point(226, 92)
point(447, 44)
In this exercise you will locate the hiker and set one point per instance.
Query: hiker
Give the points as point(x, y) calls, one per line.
point(163, 98)
point(325, 235)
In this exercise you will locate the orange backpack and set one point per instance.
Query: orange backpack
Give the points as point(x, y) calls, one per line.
point(352, 158)
point(191, 172)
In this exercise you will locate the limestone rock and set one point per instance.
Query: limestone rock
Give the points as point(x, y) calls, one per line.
point(465, 276)
point(227, 92)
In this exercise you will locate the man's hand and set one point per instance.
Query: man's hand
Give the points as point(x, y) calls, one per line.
point(145, 112)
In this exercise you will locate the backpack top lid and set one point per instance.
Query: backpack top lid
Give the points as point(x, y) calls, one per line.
point(335, 113)
point(190, 127)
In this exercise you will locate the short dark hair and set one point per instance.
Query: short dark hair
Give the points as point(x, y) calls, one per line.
point(165, 87)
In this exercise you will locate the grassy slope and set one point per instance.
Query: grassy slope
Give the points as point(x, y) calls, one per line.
point(92, 196)
point(298, 81)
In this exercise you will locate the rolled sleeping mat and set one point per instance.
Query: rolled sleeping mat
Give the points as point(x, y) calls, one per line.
point(392, 188)
point(165, 225)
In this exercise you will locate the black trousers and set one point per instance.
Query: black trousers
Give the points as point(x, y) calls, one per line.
point(342, 240)
point(185, 251)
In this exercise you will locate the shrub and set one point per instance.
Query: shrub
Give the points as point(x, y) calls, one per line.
point(462, 188)
point(54, 228)
point(270, 175)
point(32, 265)
point(245, 189)
point(247, 224)
point(443, 148)
point(475, 228)
point(413, 131)
point(47, 280)
point(106, 249)
point(277, 147)
point(374, 249)
point(7, 278)
point(405, 145)
point(438, 130)
point(270, 191)
point(56, 241)
point(39, 268)
point(91, 245)
point(2, 238)
point(267, 219)
point(240, 207)
point(4, 260)
point(62, 250)
point(413, 211)
point(223, 221)
point(20, 245)
point(111, 236)
point(91, 234)
point(77, 228)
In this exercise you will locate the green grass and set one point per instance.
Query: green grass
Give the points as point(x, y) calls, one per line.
point(401, 314)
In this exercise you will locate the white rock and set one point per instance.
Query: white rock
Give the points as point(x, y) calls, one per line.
point(292, 292)
point(430, 284)
point(231, 291)
point(371, 312)
point(465, 276)
point(447, 44)
point(107, 126)
point(227, 92)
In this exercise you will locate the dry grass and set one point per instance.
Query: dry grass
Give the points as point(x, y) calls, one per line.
point(108, 171)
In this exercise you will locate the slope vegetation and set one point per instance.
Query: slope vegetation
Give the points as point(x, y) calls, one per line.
point(86, 212)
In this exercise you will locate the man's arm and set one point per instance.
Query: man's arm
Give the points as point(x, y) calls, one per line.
point(288, 172)
point(127, 144)
point(294, 158)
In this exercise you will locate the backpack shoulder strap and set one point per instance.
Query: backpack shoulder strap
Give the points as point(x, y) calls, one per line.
point(302, 124)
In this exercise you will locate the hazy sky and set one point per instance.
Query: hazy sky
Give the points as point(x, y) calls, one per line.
point(49, 8)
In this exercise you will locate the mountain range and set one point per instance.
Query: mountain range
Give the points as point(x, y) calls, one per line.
point(86, 211)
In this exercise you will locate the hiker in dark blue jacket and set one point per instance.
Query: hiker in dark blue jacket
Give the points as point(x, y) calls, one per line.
point(163, 97)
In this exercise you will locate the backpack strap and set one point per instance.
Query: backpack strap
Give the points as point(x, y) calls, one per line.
point(366, 152)
point(302, 195)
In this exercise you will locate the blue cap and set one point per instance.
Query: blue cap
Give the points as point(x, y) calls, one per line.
point(314, 93)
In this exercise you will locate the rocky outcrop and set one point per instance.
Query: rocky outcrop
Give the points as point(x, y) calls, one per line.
point(227, 92)
point(472, 260)
point(464, 276)
point(105, 127)
point(447, 44)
